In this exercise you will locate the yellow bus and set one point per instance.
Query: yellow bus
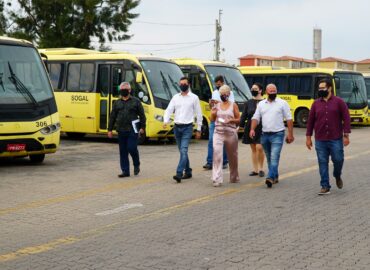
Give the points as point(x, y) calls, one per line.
point(86, 85)
point(299, 88)
point(202, 74)
point(29, 121)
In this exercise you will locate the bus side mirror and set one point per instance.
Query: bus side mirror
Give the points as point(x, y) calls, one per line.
point(139, 77)
point(337, 82)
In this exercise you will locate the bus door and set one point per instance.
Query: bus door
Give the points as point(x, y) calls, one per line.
point(109, 78)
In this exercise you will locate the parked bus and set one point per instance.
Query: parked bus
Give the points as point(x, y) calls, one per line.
point(202, 75)
point(86, 84)
point(29, 121)
point(299, 88)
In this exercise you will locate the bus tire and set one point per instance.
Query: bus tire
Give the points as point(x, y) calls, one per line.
point(302, 117)
point(75, 135)
point(205, 130)
point(35, 159)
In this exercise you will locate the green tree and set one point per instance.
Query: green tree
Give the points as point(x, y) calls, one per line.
point(3, 21)
point(72, 23)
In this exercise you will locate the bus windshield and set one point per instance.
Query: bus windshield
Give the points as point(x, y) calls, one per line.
point(23, 79)
point(233, 78)
point(163, 78)
point(352, 90)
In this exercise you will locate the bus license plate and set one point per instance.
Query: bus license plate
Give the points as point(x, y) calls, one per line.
point(16, 147)
point(356, 120)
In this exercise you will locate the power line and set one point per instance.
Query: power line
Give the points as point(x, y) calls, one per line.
point(177, 48)
point(175, 24)
point(155, 44)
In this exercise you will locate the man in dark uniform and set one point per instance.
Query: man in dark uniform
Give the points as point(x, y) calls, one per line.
point(129, 118)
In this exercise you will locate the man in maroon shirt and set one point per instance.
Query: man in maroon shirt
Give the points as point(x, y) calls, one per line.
point(330, 119)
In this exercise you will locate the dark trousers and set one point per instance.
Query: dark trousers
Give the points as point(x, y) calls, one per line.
point(128, 145)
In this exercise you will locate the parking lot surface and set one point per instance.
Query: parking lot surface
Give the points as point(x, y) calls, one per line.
point(73, 212)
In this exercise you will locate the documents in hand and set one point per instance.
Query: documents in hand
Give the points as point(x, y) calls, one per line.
point(136, 125)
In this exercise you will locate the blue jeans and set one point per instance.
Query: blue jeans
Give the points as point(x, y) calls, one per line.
point(334, 148)
point(272, 144)
point(127, 141)
point(210, 146)
point(183, 136)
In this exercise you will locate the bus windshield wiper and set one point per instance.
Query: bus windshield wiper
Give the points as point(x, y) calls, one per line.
point(1, 81)
point(238, 89)
point(175, 85)
point(165, 85)
point(21, 88)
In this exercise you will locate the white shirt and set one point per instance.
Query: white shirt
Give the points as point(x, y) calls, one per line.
point(216, 96)
point(184, 108)
point(272, 114)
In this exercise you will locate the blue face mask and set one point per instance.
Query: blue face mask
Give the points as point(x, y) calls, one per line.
point(184, 87)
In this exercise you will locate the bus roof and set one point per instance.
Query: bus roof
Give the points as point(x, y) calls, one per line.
point(86, 54)
point(14, 41)
point(294, 71)
point(201, 63)
point(259, 68)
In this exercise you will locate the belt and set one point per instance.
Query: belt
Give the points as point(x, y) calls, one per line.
point(272, 133)
point(183, 125)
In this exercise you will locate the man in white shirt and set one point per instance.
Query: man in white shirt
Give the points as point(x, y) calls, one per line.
point(185, 106)
point(272, 111)
point(216, 97)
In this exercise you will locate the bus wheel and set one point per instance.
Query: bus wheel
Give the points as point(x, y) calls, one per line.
point(205, 131)
point(37, 158)
point(75, 135)
point(302, 118)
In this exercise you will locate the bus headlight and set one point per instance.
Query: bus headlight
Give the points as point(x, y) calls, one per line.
point(158, 117)
point(50, 129)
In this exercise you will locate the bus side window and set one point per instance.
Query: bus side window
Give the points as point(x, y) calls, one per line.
point(103, 80)
point(300, 85)
point(281, 82)
point(117, 79)
point(199, 85)
point(138, 90)
point(81, 77)
point(56, 71)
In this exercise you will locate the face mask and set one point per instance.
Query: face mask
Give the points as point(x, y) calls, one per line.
point(184, 87)
point(323, 93)
point(254, 93)
point(218, 87)
point(272, 97)
point(224, 98)
point(125, 92)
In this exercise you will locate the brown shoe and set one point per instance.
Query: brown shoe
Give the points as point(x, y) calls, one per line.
point(324, 191)
point(269, 182)
point(339, 182)
point(276, 180)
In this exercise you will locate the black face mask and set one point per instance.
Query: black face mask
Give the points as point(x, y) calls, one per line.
point(124, 92)
point(224, 98)
point(254, 93)
point(184, 87)
point(323, 93)
point(218, 87)
point(272, 97)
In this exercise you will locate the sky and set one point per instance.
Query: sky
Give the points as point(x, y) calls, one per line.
point(263, 27)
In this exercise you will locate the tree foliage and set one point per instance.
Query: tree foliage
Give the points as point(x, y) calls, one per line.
point(72, 23)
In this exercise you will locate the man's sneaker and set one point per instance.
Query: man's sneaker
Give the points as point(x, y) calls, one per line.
point(215, 184)
point(123, 175)
point(269, 182)
point(177, 178)
point(225, 166)
point(207, 166)
point(136, 170)
point(324, 191)
point(339, 182)
point(187, 176)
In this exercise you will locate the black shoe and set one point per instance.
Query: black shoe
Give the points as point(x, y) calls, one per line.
point(225, 166)
point(177, 178)
point(339, 182)
point(136, 170)
point(261, 174)
point(269, 182)
point(276, 180)
point(253, 173)
point(187, 176)
point(207, 166)
point(123, 175)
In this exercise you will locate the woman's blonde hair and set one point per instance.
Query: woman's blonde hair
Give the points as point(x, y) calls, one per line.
point(224, 89)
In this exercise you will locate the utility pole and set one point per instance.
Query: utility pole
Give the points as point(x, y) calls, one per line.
point(217, 40)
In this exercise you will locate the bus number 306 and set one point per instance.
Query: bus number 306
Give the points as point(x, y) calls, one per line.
point(41, 124)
